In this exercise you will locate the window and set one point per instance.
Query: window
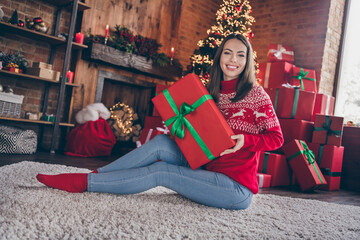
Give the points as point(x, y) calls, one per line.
point(348, 90)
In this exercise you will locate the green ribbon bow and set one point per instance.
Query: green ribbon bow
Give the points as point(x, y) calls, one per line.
point(301, 76)
point(310, 156)
point(327, 127)
point(180, 123)
point(295, 102)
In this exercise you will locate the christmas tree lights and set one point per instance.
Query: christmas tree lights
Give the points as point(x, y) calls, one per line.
point(232, 17)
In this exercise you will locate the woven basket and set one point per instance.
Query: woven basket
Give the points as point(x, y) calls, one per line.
point(10, 105)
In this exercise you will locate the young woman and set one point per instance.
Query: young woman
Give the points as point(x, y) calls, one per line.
point(227, 182)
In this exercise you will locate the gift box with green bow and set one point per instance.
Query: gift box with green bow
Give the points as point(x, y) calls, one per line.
point(292, 102)
point(304, 78)
point(302, 162)
point(328, 130)
point(330, 159)
point(194, 120)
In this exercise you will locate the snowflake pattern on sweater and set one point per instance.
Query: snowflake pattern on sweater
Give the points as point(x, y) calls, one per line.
point(252, 115)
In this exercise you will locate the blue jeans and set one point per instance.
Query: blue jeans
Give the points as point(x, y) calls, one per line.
point(140, 170)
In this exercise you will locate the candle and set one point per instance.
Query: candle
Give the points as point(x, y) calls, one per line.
point(107, 31)
point(79, 38)
point(172, 53)
point(69, 76)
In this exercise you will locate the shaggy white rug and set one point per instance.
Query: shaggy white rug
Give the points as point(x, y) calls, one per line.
point(29, 210)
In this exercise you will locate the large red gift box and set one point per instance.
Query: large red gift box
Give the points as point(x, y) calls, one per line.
point(304, 78)
point(330, 159)
point(324, 104)
point(273, 75)
point(328, 130)
point(291, 102)
point(276, 166)
point(302, 162)
point(199, 128)
point(158, 89)
point(280, 53)
point(296, 129)
point(263, 180)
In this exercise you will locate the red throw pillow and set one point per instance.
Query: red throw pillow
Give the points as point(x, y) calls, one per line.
point(91, 139)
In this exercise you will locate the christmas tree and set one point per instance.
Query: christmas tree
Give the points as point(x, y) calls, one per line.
point(232, 17)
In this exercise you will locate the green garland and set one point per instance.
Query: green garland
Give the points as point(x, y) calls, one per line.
point(123, 39)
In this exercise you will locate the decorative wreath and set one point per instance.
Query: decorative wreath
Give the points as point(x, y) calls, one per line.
point(123, 122)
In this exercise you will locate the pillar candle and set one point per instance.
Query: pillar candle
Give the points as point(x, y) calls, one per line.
point(79, 38)
point(107, 31)
point(172, 53)
point(70, 76)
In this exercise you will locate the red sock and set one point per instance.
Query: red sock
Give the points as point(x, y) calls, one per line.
point(70, 182)
point(95, 171)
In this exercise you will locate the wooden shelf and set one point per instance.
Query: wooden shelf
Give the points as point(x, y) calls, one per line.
point(76, 45)
point(23, 31)
point(31, 77)
point(36, 121)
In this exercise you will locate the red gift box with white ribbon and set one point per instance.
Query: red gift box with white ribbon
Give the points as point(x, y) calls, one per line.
point(264, 180)
point(273, 75)
point(280, 53)
point(324, 104)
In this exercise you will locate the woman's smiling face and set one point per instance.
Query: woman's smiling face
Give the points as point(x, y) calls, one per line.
point(233, 59)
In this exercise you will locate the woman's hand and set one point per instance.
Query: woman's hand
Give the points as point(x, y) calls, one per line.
point(240, 140)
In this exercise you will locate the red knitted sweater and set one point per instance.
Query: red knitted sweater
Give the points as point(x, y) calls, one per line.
point(253, 116)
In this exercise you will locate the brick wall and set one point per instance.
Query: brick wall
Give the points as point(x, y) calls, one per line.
point(332, 44)
point(312, 27)
point(196, 18)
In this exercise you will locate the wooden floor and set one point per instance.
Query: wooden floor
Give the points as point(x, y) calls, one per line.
point(341, 197)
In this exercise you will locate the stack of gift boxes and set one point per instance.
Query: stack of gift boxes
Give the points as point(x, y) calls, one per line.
point(312, 153)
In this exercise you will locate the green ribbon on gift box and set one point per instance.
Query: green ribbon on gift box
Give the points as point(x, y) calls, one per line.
point(265, 162)
point(295, 102)
point(301, 76)
point(321, 151)
point(327, 127)
point(180, 122)
point(327, 172)
point(309, 155)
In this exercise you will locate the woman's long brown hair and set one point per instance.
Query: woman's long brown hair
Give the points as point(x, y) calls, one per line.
point(247, 78)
